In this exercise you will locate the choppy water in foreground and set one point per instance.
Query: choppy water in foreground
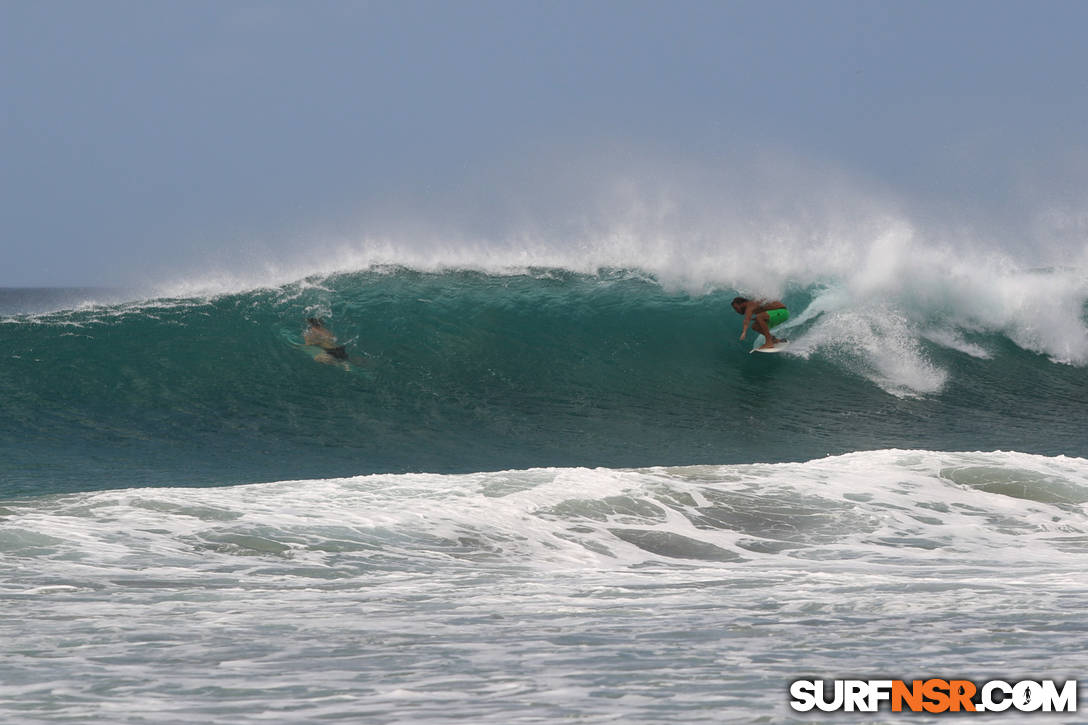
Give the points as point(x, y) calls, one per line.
point(690, 594)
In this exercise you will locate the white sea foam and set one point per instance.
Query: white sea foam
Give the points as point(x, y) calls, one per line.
point(522, 516)
point(954, 340)
point(876, 342)
point(687, 594)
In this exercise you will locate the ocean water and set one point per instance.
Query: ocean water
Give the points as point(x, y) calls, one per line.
point(537, 495)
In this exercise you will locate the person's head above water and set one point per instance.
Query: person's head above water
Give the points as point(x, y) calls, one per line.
point(738, 304)
point(315, 321)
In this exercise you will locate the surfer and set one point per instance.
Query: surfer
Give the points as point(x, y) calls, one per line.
point(320, 336)
point(762, 315)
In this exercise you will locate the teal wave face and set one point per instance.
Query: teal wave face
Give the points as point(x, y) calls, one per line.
point(462, 372)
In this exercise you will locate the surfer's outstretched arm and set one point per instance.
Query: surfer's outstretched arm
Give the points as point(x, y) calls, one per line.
point(750, 307)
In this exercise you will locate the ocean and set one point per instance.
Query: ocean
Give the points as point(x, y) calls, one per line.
point(536, 495)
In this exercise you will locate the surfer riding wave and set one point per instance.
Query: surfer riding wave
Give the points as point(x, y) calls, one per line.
point(762, 315)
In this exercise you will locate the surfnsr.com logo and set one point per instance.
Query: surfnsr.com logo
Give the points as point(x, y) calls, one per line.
point(933, 695)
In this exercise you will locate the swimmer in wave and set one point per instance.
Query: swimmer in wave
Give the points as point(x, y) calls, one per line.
point(317, 335)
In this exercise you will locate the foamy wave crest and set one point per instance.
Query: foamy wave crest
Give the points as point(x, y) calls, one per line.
point(878, 343)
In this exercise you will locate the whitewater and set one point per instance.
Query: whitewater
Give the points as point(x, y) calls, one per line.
point(689, 594)
point(542, 487)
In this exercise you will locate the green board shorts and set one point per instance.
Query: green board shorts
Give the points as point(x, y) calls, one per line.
point(777, 317)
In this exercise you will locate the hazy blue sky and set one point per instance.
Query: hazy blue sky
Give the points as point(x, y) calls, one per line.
point(142, 135)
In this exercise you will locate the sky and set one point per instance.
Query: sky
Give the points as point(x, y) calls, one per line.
point(146, 138)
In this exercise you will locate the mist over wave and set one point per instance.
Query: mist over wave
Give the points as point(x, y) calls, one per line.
point(768, 224)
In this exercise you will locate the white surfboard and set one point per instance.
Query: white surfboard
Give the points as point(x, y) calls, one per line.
point(780, 347)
